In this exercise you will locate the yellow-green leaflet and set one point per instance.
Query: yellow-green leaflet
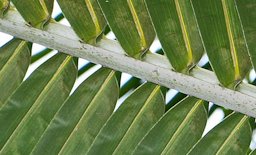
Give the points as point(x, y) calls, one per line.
point(28, 111)
point(178, 32)
point(37, 12)
point(4, 5)
point(232, 136)
point(130, 22)
point(183, 124)
point(85, 17)
point(14, 62)
point(247, 14)
point(82, 115)
point(128, 125)
point(253, 152)
point(224, 39)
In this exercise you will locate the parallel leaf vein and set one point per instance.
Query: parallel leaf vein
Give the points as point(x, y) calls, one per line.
point(93, 15)
point(53, 80)
point(109, 77)
point(238, 126)
point(153, 93)
point(231, 40)
point(137, 23)
point(182, 125)
point(184, 31)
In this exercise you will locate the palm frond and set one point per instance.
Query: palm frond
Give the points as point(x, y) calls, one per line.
point(42, 115)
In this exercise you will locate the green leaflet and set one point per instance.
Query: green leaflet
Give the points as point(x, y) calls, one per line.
point(4, 5)
point(15, 59)
point(130, 22)
point(247, 14)
point(82, 115)
point(177, 30)
point(253, 152)
point(49, 5)
point(177, 131)
point(27, 113)
point(85, 17)
point(232, 136)
point(35, 12)
point(128, 125)
point(224, 40)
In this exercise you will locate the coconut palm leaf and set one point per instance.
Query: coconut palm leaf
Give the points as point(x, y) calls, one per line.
point(33, 104)
point(38, 12)
point(224, 39)
point(177, 30)
point(88, 109)
point(42, 115)
point(186, 119)
point(248, 17)
point(15, 59)
point(143, 111)
point(85, 17)
point(130, 22)
point(232, 136)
